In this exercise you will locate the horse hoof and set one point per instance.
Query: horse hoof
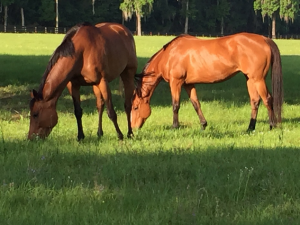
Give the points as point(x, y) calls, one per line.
point(120, 136)
point(203, 126)
point(130, 135)
point(80, 138)
point(99, 134)
point(250, 130)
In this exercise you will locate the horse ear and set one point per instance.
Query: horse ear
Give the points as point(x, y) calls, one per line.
point(33, 94)
point(36, 95)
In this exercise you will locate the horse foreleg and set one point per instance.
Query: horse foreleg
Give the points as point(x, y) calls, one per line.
point(128, 89)
point(106, 94)
point(267, 100)
point(191, 91)
point(74, 92)
point(100, 108)
point(254, 101)
point(175, 92)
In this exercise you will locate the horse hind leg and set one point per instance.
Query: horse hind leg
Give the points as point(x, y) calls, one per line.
point(106, 94)
point(74, 92)
point(100, 108)
point(191, 91)
point(128, 81)
point(254, 101)
point(267, 100)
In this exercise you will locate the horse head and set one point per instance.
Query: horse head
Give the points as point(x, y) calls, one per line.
point(43, 117)
point(140, 110)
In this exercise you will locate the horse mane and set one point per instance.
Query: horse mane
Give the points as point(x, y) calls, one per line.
point(65, 49)
point(138, 77)
point(162, 49)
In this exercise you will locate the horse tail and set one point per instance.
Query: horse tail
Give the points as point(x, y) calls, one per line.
point(277, 85)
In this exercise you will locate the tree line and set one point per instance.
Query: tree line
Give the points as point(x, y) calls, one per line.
point(215, 17)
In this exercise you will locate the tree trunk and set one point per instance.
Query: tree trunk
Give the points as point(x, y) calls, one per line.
point(274, 26)
point(5, 17)
point(93, 5)
point(22, 17)
point(186, 25)
point(222, 26)
point(56, 17)
point(138, 24)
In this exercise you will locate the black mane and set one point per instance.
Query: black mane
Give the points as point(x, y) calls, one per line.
point(162, 49)
point(139, 77)
point(65, 49)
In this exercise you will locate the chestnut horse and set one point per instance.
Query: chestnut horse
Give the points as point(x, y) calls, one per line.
point(187, 60)
point(88, 55)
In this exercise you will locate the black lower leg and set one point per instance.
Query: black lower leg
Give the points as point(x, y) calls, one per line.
point(78, 115)
point(175, 114)
point(252, 125)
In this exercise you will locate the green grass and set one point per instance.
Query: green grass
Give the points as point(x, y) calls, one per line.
point(222, 175)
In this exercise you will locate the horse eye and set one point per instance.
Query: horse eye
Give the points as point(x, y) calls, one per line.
point(135, 108)
point(35, 115)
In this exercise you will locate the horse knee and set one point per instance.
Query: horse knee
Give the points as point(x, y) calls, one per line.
point(176, 107)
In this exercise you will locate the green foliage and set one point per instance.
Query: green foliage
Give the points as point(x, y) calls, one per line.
point(135, 6)
point(267, 7)
point(46, 11)
point(289, 9)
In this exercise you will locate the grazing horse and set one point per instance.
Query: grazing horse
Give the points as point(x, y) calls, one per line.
point(88, 55)
point(187, 60)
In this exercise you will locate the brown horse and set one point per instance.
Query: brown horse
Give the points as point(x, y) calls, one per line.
point(187, 60)
point(88, 55)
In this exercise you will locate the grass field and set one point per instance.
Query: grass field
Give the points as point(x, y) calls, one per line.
point(222, 175)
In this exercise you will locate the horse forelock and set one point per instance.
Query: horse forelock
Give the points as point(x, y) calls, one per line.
point(65, 49)
point(31, 103)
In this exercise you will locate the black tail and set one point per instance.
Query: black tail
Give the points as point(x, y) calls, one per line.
point(277, 85)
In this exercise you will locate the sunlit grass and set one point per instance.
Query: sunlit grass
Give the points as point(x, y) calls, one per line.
point(222, 175)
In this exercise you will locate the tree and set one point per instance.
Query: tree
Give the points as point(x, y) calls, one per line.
point(47, 12)
point(6, 3)
point(268, 8)
point(139, 7)
point(56, 15)
point(289, 9)
point(22, 4)
point(222, 11)
point(186, 12)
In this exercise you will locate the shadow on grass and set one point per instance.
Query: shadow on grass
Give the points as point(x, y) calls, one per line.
point(26, 72)
point(178, 184)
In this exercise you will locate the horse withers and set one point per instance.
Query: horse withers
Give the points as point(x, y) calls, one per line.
point(88, 55)
point(187, 60)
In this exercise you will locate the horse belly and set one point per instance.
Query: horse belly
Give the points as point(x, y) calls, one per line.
point(208, 78)
point(85, 81)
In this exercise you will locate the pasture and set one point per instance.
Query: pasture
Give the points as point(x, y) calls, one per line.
point(222, 175)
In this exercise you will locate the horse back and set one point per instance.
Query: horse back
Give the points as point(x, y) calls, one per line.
point(105, 49)
point(214, 60)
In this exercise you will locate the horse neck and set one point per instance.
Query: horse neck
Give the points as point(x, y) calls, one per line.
point(152, 75)
point(149, 83)
point(56, 81)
